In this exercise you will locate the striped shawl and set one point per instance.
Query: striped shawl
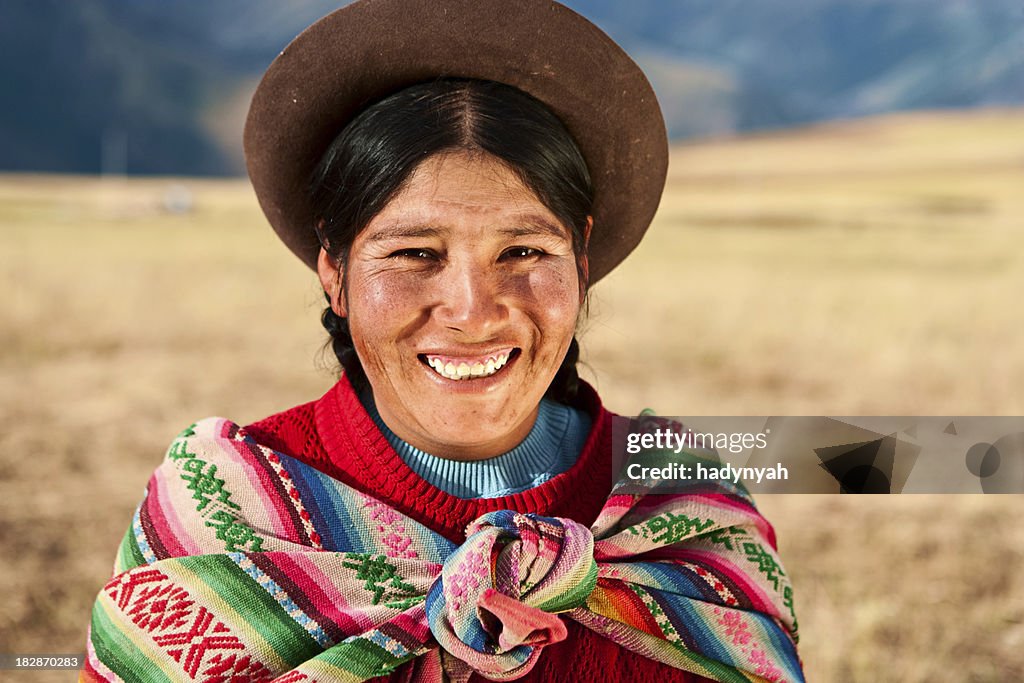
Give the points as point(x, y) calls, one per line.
point(245, 565)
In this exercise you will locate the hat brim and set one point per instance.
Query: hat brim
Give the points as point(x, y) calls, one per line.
point(363, 52)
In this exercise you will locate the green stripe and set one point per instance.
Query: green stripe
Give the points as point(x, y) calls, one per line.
point(115, 649)
point(576, 596)
point(128, 555)
point(363, 658)
point(255, 606)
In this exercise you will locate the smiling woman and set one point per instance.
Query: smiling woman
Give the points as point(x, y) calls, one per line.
point(460, 295)
point(448, 510)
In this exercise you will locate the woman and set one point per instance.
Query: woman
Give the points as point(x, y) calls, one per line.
point(458, 178)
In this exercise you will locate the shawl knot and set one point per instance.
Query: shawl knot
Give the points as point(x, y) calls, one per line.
point(495, 605)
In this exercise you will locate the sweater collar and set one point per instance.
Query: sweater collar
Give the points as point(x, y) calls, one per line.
point(551, 447)
point(361, 453)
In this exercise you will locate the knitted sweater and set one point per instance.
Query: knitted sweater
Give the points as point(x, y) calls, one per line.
point(337, 436)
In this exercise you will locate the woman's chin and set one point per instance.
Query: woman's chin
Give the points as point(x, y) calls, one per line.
point(471, 429)
point(465, 418)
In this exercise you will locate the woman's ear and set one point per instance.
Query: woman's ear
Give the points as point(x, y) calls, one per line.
point(332, 279)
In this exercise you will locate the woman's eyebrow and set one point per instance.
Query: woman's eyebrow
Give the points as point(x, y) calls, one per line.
point(536, 226)
point(397, 231)
point(529, 226)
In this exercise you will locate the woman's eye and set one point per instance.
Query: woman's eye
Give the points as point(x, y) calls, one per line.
point(520, 253)
point(414, 253)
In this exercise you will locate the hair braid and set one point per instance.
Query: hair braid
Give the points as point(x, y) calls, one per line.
point(343, 346)
point(566, 383)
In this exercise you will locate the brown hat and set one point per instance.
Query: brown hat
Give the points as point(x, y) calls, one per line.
point(373, 48)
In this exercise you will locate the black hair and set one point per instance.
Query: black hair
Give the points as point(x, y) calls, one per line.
point(369, 162)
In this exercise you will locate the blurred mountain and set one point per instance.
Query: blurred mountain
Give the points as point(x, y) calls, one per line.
point(795, 61)
point(161, 86)
point(103, 82)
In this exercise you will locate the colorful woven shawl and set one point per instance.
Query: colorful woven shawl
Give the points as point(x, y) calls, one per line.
point(243, 564)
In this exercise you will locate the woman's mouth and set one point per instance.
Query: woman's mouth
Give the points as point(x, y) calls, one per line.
point(468, 367)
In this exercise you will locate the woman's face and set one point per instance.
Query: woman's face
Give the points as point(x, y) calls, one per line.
point(462, 297)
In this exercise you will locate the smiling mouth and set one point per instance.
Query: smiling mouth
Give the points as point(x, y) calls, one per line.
point(462, 368)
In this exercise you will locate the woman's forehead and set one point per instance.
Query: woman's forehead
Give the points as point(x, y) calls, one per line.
point(452, 192)
point(467, 177)
point(443, 227)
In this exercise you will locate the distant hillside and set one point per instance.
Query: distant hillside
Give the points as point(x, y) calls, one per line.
point(809, 60)
point(160, 86)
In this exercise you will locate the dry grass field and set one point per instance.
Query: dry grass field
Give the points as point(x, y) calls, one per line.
point(871, 267)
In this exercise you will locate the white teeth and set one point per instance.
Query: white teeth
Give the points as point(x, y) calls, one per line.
point(466, 371)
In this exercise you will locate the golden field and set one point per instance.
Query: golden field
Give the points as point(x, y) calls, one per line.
point(868, 267)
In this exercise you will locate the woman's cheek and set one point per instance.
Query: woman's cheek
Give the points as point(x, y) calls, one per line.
point(549, 297)
point(390, 294)
point(382, 306)
point(554, 295)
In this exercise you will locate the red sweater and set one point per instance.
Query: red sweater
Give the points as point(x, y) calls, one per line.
point(337, 436)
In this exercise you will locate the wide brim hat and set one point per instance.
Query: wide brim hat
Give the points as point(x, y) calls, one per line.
point(370, 49)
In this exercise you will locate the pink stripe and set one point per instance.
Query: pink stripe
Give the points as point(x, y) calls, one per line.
point(333, 605)
point(414, 622)
point(177, 541)
point(299, 574)
point(223, 428)
point(270, 499)
point(607, 551)
point(618, 502)
point(97, 670)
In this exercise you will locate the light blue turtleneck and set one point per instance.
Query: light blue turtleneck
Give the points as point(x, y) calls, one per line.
point(551, 447)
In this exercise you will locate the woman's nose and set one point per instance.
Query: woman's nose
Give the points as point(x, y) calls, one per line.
point(470, 301)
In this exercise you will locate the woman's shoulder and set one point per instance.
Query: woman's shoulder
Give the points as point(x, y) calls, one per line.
point(291, 431)
point(305, 431)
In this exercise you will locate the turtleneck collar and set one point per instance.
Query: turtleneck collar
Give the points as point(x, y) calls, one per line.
point(551, 447)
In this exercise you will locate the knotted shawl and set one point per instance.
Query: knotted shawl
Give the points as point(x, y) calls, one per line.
point(243, 564)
